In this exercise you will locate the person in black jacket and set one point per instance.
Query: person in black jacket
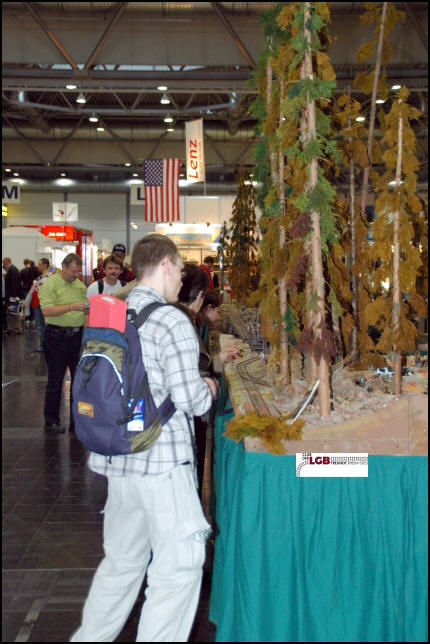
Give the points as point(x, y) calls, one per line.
point(13, 289)
point(28, 274)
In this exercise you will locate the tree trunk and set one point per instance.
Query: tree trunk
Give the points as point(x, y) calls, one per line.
point(283, 280)
point(317, 267)
point(354, 276)
point(269, 74)
point(397, 358)
point(373, 111)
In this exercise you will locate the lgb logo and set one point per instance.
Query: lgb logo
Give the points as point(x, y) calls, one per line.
point(324, 460)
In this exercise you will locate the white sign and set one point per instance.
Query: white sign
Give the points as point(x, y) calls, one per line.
point(64, 211)
point(195, 153)
point(137, 195)
point(10, 192)
point(313, 464)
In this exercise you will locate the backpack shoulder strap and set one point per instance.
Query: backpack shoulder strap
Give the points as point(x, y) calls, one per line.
point(101, 285)
point(140, 318)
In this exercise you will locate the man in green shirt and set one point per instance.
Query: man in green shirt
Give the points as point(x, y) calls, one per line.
point(63, 300)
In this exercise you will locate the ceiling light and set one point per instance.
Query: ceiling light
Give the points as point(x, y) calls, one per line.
point(168, 119)
point(127, 163)
point(396, 86)
point(360, 118)
point(162, 88)
point(70, 86)
point(63, 174)
point(393, 183)
point(135, 174)
point(93, 118)
point(16, 174)
point(100, 128)
point(380, 100)
point(81, 98)
point(182, 182)
point(165, 99)
point(64, 181)
point(8, 170)
point(170, 129)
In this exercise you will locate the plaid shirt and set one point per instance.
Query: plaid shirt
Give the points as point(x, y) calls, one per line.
point(170, 351)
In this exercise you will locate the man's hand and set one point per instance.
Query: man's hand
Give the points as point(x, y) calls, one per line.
point(213, 387)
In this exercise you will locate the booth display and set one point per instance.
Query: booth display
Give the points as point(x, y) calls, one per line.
point(320, 559)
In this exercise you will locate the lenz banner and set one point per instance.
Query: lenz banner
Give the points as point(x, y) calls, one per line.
point(195, 151)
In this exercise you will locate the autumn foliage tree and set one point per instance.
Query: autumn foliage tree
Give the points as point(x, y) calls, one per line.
point(242, 250)
point(396, 251)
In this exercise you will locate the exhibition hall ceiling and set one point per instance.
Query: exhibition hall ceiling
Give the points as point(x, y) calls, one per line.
point(117, 56)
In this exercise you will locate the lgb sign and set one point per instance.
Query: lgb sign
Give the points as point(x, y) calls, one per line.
point(10, 192)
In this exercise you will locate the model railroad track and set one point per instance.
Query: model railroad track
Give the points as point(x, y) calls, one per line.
point(242, 370)
point(250, 383)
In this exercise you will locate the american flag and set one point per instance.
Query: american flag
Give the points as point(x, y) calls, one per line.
point(161, 178)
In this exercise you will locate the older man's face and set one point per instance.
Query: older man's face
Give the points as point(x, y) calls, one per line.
point(71, 272)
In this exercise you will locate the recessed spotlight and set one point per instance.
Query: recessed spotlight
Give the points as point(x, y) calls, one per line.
point(168, 119)
point(70, 86)
point(94, 118)
point(62, 174)
point(100, 128)
point(396, 86)
point(81, 98)
point(16, 174)
point(380, 100)
point(170, 129)
point(8, 170)
point(128, 164)
point(135, 174)
point(162, 88)
point(165, 100)
point(360, 118)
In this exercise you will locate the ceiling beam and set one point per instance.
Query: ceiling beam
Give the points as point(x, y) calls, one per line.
point(117, 15)
point(30, 8)
point(26, 141)
point(222, 16)
point(66, 141)
point(417, 26)
point(120, 143)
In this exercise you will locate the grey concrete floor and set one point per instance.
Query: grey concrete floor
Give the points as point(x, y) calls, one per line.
point(52, 521)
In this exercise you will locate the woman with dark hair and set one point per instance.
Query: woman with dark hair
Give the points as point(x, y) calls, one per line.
point(193, 295)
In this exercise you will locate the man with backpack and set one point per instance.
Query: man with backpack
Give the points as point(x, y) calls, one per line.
point(112, 267)
point(153, 520)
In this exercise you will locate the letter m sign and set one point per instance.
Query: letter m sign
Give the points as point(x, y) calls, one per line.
point(10, 192)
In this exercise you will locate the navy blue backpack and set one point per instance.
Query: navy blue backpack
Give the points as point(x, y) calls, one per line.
point(113, 408)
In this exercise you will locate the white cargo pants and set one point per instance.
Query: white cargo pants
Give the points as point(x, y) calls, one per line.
point(161, 514)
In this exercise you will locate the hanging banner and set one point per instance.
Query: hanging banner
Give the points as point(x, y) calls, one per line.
point(64, 211)
point(10, 192)
point(137, 195)
point(195, 151)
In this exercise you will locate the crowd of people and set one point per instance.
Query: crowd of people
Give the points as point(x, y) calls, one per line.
point(153, 519)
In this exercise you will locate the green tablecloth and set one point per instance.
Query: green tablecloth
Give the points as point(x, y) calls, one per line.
point(318, 559)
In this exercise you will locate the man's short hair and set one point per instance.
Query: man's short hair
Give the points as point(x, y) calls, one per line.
point(149, 252)
point(45, 261)
point(26, 262)
point(113, 259)
point(70, 259)
point(208, 260)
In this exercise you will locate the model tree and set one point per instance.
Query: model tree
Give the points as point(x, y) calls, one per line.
point(396, 248)
point(241, 252)
point(384, 16)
